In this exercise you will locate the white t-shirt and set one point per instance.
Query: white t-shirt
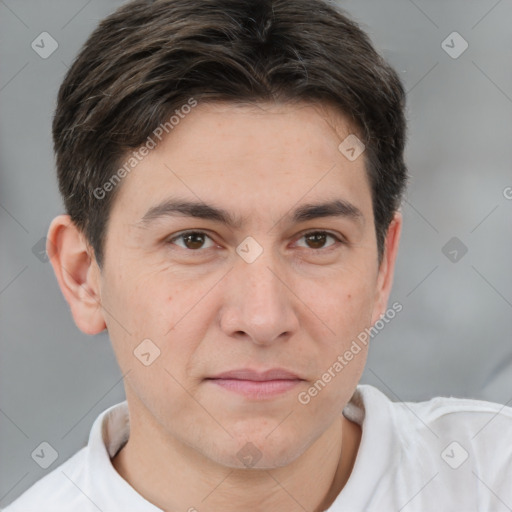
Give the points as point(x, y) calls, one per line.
point(445, 454)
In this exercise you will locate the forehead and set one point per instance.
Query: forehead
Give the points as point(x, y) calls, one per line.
point(259, 158)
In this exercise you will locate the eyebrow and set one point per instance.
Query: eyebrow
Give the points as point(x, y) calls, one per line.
point(180, 207)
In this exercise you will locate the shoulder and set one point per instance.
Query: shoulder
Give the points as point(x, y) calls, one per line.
point(58, 488)
point(468, 429)
point(87, 481)
point(450, 412)
point(442, 431)
point(459, 416)
point(452, 452)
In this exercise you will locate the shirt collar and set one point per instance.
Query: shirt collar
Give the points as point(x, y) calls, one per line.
point(110, 491)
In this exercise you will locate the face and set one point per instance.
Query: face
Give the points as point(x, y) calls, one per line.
point(272, 290)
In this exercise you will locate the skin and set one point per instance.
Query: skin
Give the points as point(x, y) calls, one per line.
point(299, 305)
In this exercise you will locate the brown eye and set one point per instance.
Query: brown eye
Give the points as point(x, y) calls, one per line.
point(316, 240)
point(192, 240)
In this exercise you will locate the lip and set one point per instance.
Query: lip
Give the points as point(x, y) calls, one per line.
point(257, 385)
point(258, 376)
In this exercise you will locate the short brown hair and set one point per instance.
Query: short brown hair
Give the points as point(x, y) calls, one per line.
point(150, 57)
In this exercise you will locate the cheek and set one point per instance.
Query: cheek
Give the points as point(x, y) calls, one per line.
point(141, 297)
point(345, 307)
point(357, 306)
point(348, 302)
point(343, 361)
point(137, 307)
point(154, 340)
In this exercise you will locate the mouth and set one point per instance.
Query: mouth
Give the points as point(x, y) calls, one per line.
point(257, 385)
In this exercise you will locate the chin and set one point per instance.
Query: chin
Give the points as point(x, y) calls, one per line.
point(261, 449)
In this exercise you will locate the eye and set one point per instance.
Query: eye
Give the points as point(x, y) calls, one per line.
point(318, 238)
point(193, 240)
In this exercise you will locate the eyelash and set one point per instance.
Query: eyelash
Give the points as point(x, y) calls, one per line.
point(338, 239)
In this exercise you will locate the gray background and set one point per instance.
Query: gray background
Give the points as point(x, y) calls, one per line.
point(453, 335)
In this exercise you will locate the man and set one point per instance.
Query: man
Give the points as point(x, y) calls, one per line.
point(232, 174)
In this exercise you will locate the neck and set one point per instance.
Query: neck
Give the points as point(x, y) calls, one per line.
point(174, 476)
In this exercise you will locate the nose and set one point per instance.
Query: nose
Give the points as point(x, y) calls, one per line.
point(258, 302)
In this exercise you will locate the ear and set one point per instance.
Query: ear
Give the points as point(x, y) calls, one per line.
point(77, 273)
point(387, 267)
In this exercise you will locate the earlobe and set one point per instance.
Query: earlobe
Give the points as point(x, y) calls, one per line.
point(387, 266)
point(77, 273)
